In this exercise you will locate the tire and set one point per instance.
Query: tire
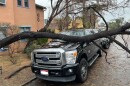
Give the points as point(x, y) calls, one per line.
point(82, 72)
point(100, 53)
point(107, 45)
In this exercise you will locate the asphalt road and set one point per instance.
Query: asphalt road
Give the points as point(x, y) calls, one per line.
point(117, 73)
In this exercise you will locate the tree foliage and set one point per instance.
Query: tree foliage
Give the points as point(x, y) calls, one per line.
point(116, 23)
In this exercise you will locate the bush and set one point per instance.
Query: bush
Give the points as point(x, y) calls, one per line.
point(41, 41)
point(34, 45)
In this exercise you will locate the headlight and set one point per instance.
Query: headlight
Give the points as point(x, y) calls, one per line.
point(32, 56)
point(71, 57)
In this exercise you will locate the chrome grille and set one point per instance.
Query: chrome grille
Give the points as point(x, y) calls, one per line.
point(54, 58)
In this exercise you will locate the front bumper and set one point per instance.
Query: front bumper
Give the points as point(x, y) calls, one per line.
point(66, 73)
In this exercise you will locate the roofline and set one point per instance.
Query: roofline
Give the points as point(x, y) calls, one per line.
point(40, 6)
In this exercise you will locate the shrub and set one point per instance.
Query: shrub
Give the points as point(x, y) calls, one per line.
point(41, 41)
point(34, 45)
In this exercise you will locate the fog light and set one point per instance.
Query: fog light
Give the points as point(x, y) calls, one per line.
point(35, 71)
point(70, 70)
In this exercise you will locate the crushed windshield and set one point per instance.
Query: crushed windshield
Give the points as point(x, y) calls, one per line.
point(73, 33)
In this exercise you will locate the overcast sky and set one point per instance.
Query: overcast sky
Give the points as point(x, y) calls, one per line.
point(46, 4)
point(108, 16)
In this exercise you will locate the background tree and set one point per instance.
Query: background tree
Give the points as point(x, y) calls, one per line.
point(9, 30)
point(116, 23)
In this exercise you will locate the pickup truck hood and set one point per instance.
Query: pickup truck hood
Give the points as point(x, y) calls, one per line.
point(63, 45)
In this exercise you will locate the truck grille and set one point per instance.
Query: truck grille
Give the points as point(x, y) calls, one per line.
point(48, 58)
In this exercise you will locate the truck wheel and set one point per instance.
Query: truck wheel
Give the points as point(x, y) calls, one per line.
point(82, 71)
point(107, 45)
point(100, 53)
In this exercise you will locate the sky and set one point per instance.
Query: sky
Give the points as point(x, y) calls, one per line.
point(107, 15)
point(46, 4)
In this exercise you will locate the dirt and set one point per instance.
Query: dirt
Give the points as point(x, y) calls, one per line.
point(8, 67)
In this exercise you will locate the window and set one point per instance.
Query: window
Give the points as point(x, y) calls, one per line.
point(2, 2)
point(25, 29)
point(19, 2)
point(26, 3)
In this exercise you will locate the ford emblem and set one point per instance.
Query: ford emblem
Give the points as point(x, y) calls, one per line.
point(45, 59)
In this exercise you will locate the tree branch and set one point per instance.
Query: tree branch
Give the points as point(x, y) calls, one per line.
point(88, 38)
point(52, 4)
point(102, 50)
point(121, 45)
point(101, 17)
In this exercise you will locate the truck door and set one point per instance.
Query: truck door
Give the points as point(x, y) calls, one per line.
point(89, 48)
point(95, 47)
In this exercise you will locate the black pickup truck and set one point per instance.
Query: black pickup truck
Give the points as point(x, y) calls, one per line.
point(62, 61)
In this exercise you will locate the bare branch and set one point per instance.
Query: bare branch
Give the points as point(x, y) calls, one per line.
point(102, 50)
point(52, 4)
point(125, 42)
point(121, 45)
point(101, 17)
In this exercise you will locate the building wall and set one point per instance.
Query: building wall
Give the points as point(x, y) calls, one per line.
point(22, 16)
point(25, 16)
point(7, 12)
point(40, 17)
point(76, 23)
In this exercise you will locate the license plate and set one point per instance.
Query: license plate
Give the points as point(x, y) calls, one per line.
point(44, 72)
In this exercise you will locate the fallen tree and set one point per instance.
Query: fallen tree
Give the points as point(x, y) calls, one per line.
point(89, 38)
point(42, 34)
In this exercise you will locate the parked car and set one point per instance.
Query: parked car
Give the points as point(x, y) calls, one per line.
point(63, 61)
point(105, 42)
point(2, 37)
